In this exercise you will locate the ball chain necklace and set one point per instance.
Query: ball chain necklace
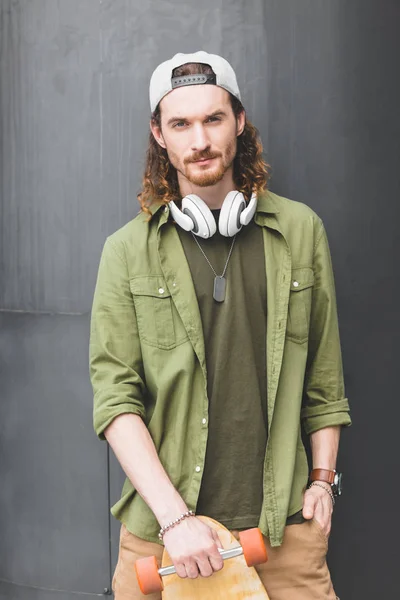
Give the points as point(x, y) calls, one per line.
point(219, 280)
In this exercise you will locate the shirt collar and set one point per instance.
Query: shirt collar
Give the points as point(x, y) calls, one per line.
point(155, 207)
point(266, 203)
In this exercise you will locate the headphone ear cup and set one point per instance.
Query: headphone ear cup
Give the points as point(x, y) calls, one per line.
point(195, 208)
point(183, 221)
point(249, 211)
point(229, 218)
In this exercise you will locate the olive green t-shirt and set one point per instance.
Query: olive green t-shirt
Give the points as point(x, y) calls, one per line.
point(235, 345)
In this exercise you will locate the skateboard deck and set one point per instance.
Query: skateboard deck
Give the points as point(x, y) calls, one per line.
point(235, 581)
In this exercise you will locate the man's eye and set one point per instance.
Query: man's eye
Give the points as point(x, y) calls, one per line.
point(183, 122)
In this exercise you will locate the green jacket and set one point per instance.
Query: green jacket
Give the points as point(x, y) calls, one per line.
point(147, 354)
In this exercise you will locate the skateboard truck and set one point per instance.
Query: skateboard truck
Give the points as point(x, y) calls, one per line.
point(252, 547)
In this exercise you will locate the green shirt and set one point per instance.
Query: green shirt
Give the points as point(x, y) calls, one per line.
point(147, 354)
point(234, 340)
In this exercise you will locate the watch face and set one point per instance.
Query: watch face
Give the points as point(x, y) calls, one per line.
point(337, 484)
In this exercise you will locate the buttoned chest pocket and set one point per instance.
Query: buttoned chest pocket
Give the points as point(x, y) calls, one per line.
point(301, 287)
point(158, 322)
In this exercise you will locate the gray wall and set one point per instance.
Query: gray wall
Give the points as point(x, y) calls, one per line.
point(319, 80)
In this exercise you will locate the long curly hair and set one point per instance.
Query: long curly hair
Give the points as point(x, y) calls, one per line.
point(160, 181)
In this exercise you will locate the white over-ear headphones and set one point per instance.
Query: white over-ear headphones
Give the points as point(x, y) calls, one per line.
point(195, 215)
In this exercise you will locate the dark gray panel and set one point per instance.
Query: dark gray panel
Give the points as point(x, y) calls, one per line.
point(54, 493)
point(370, 126)
point(334, 143)
point(50, 124)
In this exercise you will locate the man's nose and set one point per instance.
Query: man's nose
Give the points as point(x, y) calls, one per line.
point(200, 140)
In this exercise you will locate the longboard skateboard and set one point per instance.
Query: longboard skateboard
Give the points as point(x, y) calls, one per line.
point(236, 581)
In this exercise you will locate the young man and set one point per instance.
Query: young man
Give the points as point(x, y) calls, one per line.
point(214, 336)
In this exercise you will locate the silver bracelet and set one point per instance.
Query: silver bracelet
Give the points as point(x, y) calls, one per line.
point(324, 488)
point(185, 515)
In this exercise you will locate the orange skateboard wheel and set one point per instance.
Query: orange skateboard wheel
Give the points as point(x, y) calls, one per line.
point(253, 546)
point(148, 576)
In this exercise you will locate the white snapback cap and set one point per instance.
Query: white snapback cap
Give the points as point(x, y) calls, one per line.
point(162, 82)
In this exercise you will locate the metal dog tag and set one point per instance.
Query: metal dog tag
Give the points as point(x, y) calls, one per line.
point(219, 288)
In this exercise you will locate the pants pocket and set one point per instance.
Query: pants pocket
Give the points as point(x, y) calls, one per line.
point(125, 585)
point(321, 532)
point(297, 570)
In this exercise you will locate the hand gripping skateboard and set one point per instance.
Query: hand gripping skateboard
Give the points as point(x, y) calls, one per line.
point(238, 580)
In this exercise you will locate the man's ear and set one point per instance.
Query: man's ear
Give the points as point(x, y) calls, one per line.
point(158, 136)
point(241, 120)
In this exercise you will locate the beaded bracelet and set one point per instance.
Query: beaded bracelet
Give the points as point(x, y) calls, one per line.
point(189, 513)
point(324, 488)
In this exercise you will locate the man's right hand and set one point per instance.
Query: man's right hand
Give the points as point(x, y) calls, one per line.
point(193, 548)
point(191, 544)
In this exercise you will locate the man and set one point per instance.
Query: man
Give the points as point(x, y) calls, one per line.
point(214, 336)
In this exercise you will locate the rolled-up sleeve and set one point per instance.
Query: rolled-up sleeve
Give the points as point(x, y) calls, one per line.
point(324, 404)
point(115, 360)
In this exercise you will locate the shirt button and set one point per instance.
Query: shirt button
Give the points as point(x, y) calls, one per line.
point(204, 421)
point(160, 290)
point(198, 469)
point(174, 284)
point(296, 283)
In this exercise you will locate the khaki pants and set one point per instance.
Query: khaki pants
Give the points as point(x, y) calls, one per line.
point(296, 570)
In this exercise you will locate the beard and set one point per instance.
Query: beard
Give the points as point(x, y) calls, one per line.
point(207, 175)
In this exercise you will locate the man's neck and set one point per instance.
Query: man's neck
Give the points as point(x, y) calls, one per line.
point(213, 196)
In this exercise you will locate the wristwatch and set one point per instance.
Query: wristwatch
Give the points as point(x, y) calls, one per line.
point(333, 477)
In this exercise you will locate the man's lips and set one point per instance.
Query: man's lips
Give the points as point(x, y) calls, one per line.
point(204, 160)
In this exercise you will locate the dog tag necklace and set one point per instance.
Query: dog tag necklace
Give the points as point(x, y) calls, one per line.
point(219, 280)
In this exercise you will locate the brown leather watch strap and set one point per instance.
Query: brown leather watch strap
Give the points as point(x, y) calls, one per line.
point(323, 475)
